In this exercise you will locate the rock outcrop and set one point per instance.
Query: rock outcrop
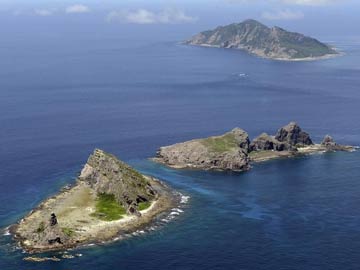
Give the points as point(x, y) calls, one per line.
point(293, 135)
point(233, 151)
point(256, 38)
point(265, 142)
point(330, 145)
point(226, 152)
point(106, 174)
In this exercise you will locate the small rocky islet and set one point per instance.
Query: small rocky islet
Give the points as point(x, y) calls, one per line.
point(233, 151)
point(110, 199)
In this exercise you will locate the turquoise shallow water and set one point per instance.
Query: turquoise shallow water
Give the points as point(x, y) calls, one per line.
point(61, 99)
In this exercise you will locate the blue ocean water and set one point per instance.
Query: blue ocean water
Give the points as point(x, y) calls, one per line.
point(65, 93)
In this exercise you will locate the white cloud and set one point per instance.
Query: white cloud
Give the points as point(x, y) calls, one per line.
point(77, 9)
point(43, 12)
point(282, 15)
point(144, 16)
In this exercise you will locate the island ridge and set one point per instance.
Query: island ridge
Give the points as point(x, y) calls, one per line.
point(258, 39)
point(233, 151)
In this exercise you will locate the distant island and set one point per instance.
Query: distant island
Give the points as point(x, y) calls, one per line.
point(233, 151)
point(109, 200)
point(258, 39)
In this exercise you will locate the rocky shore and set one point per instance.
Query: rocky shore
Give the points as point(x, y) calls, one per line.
point(235, 152)
point(110, 199)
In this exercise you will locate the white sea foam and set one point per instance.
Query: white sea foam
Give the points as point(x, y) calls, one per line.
point(184, 199)
point(166, 220)
point(6, 232)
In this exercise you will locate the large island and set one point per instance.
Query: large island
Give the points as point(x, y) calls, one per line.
point(109, 200)
point(233, 151)
point(258, 39)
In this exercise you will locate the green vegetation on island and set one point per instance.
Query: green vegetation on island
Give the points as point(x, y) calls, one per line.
point(256, 38)
point(107, 208)
point(144, 205)
point(107, 201)
point(221, 144)
point(233, 151)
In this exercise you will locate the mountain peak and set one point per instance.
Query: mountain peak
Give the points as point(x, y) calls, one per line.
point(253, 22)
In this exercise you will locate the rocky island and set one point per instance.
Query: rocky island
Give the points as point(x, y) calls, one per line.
point(258, 39)
point(109, 200)
point(235, 152)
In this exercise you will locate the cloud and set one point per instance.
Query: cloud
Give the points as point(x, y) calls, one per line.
point(77, 9)
point(144, 16)
point(43, 12)
point(283, 15)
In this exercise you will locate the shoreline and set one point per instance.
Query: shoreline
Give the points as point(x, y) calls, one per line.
point(263, 156)
point(90, 232)
point(305, 59)
point(189, 166)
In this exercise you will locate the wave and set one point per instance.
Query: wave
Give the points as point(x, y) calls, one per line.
point(174, 213)
point(6, 231)
point(184, 199)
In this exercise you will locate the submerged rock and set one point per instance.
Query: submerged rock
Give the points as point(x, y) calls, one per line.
point(41, 259)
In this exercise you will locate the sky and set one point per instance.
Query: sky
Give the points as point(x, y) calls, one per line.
point(313, 17)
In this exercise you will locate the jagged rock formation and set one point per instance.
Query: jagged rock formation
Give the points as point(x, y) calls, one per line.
point(328, 141)
point(287, 138)
point(293, 135)
point(258, 39)
point(232, 151)
point(266, 142)
point(226, 152)
point(106, 174)
point(330, 145)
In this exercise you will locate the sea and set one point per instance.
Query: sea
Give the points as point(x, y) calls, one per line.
point(67, 91)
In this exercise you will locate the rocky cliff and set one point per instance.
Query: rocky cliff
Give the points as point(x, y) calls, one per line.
point(108, 175)
point(225, 152)
point(233, 150)
point(256, 38)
